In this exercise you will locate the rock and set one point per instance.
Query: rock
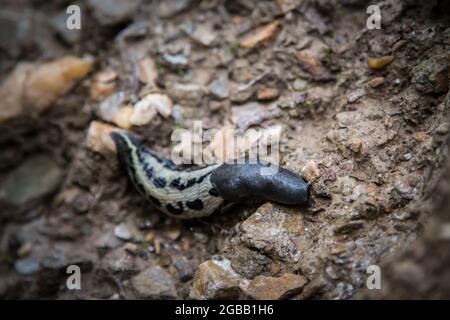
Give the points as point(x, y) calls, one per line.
point(123, 232)
point(355, 145)
point(203, 34)
point(348, 227)
point(287, 104)
point(170, 8)
point(220, 87)
point(346, 119)
point(241, 96)
point(310, 63)
point(107, 241)
point(260, 35)
point(442, 129)
point(98, 137)
point(143, 112)
point(109, 107)
point(147, 108)
point(379, 63)
point(265, 230)
point(432, 75)
point(356, 95)
point(375, 82)
point(175, 61)
point(113, 12)
point(407, 156)
point(120, 261)
point(148, 73)
point(122, 117)
point(162, 103)
point(103, 84)
point(420, 136)
point(186, 94)
point(310, 171)
point(70, 36)
point(33, 87)
point(215, 279)
point(404, 188)
point(34, 178)
point(154, 283)
point(275, 288)
point(247, 262)
point(267, 94)
point(183, 266)
point(299, 85)
point(27, 266)
point(127, 231)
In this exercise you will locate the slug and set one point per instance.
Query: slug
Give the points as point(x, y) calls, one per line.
point(187, 193)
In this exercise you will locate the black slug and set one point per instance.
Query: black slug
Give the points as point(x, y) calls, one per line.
point(192, 193)
point(237, 182)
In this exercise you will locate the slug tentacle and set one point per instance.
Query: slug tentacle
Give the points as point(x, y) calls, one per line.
point(192, 193)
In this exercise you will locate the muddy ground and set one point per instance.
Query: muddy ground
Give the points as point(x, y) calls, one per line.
point(371, 138)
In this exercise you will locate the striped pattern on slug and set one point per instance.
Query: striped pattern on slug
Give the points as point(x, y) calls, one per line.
point(179, 192)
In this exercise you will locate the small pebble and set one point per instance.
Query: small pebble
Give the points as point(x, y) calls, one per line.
point(99, 139)
point(355, 145)
point(442, 129)
point(299, 85)
point(267, 94)
point(177, 60)
point(123, 232)
point(27, 266)
point(260, 35)
point(375, 82)
point(356, 95)
point(310, 171)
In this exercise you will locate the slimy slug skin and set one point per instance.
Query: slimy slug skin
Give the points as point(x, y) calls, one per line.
point(187, 193)
point(238, 182)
